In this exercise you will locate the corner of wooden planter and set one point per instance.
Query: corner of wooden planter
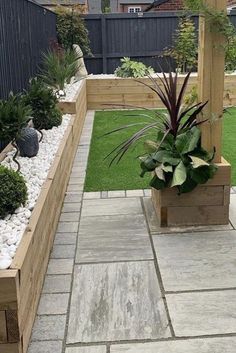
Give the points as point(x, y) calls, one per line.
point(208, 204)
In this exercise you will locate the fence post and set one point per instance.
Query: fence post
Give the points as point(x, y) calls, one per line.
point(104, 44)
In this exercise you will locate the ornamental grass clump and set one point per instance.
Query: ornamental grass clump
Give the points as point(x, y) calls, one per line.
point(174, 157)
point(59, 66)
point(13, 191)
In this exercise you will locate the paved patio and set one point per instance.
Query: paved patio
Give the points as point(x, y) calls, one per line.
point(118, 283)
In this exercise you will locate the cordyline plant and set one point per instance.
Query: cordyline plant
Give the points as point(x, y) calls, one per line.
point(175, 157)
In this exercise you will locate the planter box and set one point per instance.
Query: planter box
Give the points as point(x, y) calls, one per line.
point(115, 90)
point(208, 204)
point(20, 286)
point(72, 107)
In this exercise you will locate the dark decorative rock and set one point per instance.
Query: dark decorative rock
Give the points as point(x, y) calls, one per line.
point(28, 142)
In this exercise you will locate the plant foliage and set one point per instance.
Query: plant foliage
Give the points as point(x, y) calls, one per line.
point(175, 156)
point(43, 103)
point(71, 29)
point(220, 23)
point(13, 191)
point(130, 68)
point(14, 115)
point(59, 66)
point(184, 49)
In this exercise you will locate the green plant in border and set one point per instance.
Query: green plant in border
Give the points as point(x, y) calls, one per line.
point(184, 49)
point(71, 29)
point(13, 191)
point(59, 66)
point(43, 103)
point(130, 68)
point(175, 157)
point(220, 23)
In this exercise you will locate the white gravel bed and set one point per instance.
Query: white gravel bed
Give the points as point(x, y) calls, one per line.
point(71, 90)
point(34, 171)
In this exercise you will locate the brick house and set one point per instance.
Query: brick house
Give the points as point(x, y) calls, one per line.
point(176, 5)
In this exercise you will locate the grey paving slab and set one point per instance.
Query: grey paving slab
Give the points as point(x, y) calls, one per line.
point(67, 227)
point(51, 327)
point(155, 228)
point(194, 261)
point(71, 207)
point(70, 217)
point(131, 193)
point(57, 284)
point(74, 181)
point(116, 193)
point(203, 313)
point(90, 349)
point(104, 194)
point(107, 207)
point(65, 238)
point(53, 304)
point(75, 197)
point(92, 195)
point(45, 347)
point(63, 252)
point(232, 210)
point(122, 302)
point(74, 188)
point(112, 238)
point(208, 345)
point(60, 266)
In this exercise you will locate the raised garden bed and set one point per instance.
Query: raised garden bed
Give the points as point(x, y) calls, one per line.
point(113, 90)
point(21, 284)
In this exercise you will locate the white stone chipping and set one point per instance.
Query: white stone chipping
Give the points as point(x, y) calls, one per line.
point(71, 90)
point(34, 171)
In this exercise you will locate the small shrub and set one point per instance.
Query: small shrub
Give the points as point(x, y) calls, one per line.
point(184, 50)
point(13, 191)
point(14, 115)
point(71, 29)
point(43, 103)
point(131, 68)
point(59, 66)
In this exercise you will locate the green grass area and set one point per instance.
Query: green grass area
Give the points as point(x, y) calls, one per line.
point(125, 175)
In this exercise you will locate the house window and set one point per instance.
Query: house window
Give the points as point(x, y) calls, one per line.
point(134, 9)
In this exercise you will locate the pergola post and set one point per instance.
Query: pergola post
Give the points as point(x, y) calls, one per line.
point(211, 65)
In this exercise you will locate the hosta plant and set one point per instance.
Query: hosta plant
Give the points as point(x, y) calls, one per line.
point(130, 68)
point(174, 157)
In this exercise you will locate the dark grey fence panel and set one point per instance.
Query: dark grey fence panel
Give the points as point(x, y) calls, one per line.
point(26, 30)
point(142, 38)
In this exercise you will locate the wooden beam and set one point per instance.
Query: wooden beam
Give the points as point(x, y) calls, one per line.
point(211, 80)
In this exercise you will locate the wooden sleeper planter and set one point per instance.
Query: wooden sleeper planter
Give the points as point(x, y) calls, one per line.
point(21, 284)
point(208, 204)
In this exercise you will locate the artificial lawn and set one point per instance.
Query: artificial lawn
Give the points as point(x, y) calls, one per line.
point(125, 175)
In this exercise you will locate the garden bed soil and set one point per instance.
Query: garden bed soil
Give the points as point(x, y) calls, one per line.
point(21, 284)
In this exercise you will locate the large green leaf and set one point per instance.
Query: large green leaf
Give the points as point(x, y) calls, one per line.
point(198, 162)
point(160, 173)
point(202, 174)
point(180, 175)
point(187, 141)
point(164, 156)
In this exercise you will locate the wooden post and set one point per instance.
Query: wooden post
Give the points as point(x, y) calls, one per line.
point(211, 80)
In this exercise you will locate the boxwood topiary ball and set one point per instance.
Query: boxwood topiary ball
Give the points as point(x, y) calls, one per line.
point(13, 191)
